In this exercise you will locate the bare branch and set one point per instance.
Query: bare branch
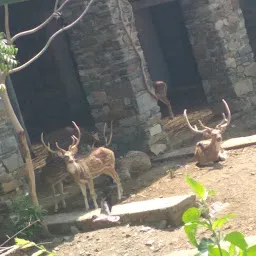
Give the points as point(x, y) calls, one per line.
point(56, 5)
point(7, 26)
point(31, 31)
point(51, 39)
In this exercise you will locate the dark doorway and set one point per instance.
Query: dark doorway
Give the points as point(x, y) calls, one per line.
point(169, 54)
point(48, 91)
point(248, 8)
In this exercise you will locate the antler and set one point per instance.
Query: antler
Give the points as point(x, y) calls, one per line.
point(75, 140)
point(108, 141)
point(195, 129)
point(226, 121)
point(47, 147)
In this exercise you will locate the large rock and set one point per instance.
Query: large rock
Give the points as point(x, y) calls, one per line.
point(132, 164)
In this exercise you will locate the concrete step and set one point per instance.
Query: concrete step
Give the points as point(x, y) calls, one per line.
point(233, 143)
point(149, 211)
point(251, 240)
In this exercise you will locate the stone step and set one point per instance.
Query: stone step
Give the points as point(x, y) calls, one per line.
point(233, 143)
point(251, 240)
point(148, 211)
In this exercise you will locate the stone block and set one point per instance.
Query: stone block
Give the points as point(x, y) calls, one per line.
point(97, 98)
point(14, 161)
point(145, 102)
point(243, 87)
point(158, 148)
point(155, 130)
point(129, 121)
point(8, 144)
point(231, 63)
point(9, 186)
point(149, 211)
point(251, 70)
point(5, 177)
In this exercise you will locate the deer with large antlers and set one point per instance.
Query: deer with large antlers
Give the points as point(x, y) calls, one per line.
point(84, 169)
point(210, 150)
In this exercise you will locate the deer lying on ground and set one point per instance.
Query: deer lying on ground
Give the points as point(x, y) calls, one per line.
point(84, 169)
point(210, 150)
point(161, 94)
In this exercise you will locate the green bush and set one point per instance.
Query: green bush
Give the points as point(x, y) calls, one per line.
point(23, 213)
point(195, 218)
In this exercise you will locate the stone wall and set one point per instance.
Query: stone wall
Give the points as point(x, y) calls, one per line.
point(110, 73)
point(10, 158)
point(222, 51)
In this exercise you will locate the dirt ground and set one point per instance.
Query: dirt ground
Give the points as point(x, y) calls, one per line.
point(233, 180)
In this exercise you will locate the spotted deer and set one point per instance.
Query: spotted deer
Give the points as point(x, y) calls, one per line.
point(210, 150)
point(161, 94)
point(87, 167)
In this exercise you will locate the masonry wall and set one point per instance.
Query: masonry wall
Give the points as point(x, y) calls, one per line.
point(222, 51)
point(110, 73)
point(10, 158)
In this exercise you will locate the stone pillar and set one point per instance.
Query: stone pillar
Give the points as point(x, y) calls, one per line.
point(110, 73)
point(222, 51)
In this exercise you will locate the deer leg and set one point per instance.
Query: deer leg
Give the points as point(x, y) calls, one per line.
point(93, 194)
point(84, 192)
point(222, 155)
point(61, 190)
point(113, 174)
point(56, 208)
point(169, 108)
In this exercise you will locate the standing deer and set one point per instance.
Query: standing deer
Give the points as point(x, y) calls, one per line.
point(84, 169)
point(210, 150)
point(161, 94)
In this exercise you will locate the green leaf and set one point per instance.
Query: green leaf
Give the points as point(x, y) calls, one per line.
point(38, 253)
point(211, 192)
point(251, 251)
point(20, 241)
point(191, 215)
point(190, 230)
point(218, 223)
point(216, 252)
point(197, 187)
point(232, 250)
point(236, 238)
point(3, 2)
point(204, 244)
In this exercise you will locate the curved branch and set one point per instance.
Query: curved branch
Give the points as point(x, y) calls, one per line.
point(6, 23)
point(136, 51)
point(31, 31)
point(51, 39)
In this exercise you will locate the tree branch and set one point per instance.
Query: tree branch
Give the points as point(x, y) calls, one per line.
point(7, 26)
point(51, 39)
point(31, 31)
point(56, 5)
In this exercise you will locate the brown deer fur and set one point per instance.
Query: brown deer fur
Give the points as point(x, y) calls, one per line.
point(161, 94)
point(210, 150)
point(84, 169)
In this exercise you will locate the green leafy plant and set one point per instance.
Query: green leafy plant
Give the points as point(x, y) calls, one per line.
point(202, 217)
point(24, 244)
point(7, 54)
point(23, 213)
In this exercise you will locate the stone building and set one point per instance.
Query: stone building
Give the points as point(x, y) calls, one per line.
point(204, 49)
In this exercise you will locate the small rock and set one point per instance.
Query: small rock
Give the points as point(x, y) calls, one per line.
point(145, 229)
point(74, 230)
point(57, 240)
point(155, 248)
point(67, 238)
point(127, 235)
point(252, 173)
point(162, 224)
point(149, 242)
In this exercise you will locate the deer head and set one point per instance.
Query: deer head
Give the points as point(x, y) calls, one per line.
point(215, 132)
point(67, 155)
